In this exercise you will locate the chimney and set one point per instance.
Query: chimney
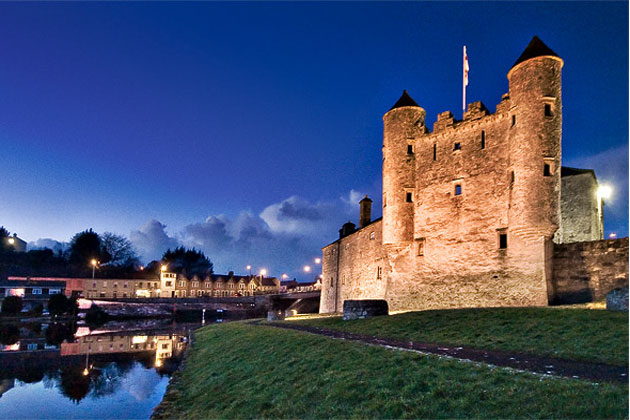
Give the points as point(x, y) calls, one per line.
point(365, 212)
point(346, 229)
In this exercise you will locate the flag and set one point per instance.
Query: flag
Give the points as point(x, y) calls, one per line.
point(466, 68)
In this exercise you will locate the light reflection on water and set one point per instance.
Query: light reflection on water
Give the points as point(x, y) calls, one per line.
point(117, 371)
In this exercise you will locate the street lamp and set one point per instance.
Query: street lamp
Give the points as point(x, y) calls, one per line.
point(318, 260)
point(307, 268)
point(263, 272)
point(285, 276)
point(11, 241)
point(93, 263)
point(249, 267)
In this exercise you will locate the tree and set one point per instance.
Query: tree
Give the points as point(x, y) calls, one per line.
point(85, 246)
point(4, 236)
point(57, 304)
point(187, 261)
point(120, 250)
point(12, 305)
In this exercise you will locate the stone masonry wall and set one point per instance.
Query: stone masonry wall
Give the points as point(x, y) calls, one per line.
point(587, 271)
point(581, 218)
point(350, 268)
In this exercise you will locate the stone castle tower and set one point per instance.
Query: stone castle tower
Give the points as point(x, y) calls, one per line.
point(470, 208)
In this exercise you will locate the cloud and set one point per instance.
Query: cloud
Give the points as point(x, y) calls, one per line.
point(151, 240)
point(53, 244)
point(284, 237)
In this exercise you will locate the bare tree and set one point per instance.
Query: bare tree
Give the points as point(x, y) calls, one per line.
point(119, 249)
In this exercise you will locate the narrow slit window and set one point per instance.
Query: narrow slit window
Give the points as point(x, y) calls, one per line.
point(410, 149)
point(547, 169)
point(503, 243)
point(420, 247)
point(513, 120)
point(548, 112)
point(409, 197)
point(435, 152)
point(457, 146)
point(511, 179)
point(483, 139)
point(458, 189)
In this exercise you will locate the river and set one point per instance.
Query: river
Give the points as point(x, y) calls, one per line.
point(118, 370)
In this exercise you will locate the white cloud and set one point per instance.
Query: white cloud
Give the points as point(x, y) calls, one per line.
point(282, 238)
point(53, 244)
point(151, 240)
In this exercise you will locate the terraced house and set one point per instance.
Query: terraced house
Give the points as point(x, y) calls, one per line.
point(215, 285)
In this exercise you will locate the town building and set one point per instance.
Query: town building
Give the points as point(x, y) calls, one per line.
point(473, 208)
point(216, 285)
point(16, 244)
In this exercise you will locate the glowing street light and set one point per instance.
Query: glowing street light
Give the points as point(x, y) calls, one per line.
point(163, 268)
point(604, 192)
point(249, 268)
point(263, 272)
point(93, 263)
point(11, 241)
point(612, 235)
point(285, 276)
point(318, 260)
point(307, 268)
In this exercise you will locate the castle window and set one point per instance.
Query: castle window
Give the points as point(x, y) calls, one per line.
point(548, 112)
point(458, 189)
point(379, 272)
point(372, 235)
point(511, 179)
point(547, 169)
point(410, 149)
point(513, 120)
point(420, 246)
point(409, 198)
point(457, 146)
point(503, 240)
point(435, 152)
point(483, 139)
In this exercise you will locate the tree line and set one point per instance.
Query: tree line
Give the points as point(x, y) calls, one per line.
point(115, 255)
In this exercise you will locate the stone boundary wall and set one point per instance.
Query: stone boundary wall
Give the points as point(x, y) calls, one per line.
point(587, 271)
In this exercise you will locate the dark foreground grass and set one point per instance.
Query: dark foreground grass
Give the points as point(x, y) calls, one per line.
point(244, 371)
point(577, 334)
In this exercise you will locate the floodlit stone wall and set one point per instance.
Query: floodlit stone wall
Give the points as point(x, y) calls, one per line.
point(581, 211)
point(587, 271)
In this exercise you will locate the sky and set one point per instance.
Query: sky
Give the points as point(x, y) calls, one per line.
point(251, 130)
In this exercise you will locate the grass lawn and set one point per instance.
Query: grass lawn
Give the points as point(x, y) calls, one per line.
point(237, 370)
point(577, 334)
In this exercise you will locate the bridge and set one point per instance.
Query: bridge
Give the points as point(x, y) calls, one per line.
point(252, 306)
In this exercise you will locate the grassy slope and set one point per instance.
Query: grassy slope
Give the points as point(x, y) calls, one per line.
point(241, 371)
point(578, 334)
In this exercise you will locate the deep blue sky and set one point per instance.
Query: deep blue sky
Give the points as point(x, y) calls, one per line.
point(244, 127)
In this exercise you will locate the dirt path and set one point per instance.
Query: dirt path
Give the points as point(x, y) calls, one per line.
point(595, 372)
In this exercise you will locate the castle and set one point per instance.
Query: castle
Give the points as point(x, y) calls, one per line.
point(471, 209)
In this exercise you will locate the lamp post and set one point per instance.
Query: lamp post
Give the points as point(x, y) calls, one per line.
point(93, 263)
point(249, 267)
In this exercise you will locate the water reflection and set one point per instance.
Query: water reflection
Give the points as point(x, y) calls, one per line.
point(75, 371)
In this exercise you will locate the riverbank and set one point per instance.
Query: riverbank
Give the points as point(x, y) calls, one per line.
point(250, 370)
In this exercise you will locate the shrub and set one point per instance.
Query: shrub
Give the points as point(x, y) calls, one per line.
point(12, 305)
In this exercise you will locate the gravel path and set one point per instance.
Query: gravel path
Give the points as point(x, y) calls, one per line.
point(595, 372)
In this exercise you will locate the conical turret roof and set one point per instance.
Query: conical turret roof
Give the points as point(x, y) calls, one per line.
point(535, 48)
point(405, 100)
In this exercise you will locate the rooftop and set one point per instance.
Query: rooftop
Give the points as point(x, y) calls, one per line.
point(535, 48)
